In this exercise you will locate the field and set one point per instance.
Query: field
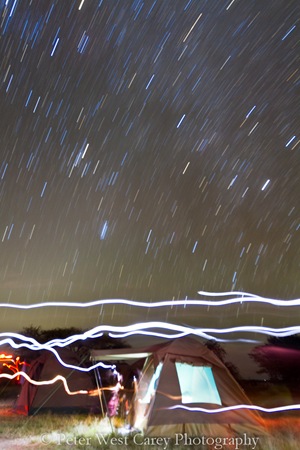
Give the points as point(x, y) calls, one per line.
point(52, 431)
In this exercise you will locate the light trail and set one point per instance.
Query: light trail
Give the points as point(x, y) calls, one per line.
point(237, 407)
point(137, 328)
point(57, 378)
point(145, 328)
point(178, 335)
point(147, 333)
point(187, 408)
point(50, 349)
point(192, 27)
point(246, 297)
point(45, 382)
point(239, 297)
point(116, 388)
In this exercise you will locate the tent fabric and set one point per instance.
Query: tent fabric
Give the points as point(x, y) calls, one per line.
point(155, 398)
point(161, 419)
point(33, 399)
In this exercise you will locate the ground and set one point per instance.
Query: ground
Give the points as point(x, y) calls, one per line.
point(21, 432)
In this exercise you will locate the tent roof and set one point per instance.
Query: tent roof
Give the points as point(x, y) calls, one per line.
point(118, 355)
point(185, 346)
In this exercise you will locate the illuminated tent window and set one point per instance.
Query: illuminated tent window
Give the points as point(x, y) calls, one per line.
point(152, 385)
point(197, 384)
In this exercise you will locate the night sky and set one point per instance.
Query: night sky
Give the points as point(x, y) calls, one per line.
point(149, 150)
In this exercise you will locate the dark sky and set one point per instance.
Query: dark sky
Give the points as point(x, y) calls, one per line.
point(149, 149)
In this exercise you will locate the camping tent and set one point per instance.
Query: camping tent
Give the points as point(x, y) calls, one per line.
point(54, 397)
point(181, 375)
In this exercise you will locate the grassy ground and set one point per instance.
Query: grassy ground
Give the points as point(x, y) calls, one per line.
point(64, 432)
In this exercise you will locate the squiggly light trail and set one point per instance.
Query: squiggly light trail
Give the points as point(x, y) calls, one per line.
point(187, 408)
point(240, 297)
point(57, 378)
point(237, 407)
point(141, 328)
point(50, 349)
point(136, 329)
point(45, 382)
point(176, 336)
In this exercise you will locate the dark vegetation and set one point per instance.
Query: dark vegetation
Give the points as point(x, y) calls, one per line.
point(81, 347)
point(279, 359)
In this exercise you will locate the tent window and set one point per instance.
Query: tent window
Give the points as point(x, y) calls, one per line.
point(197, 384)
point(152, 385)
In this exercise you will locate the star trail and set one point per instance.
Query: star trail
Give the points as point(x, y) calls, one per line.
point(149, 151)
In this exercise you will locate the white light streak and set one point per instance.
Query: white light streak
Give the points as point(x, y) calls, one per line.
point(136, 328)
point(232, 182)
point(195, 246)
point(252, 129)
point(148, 333)
point(290, 30)
point(231, 3)
point(251, 111)
point(12, 9)
point(245, 192)
point(85, 150)
point(150, 81)
point(265, 185)
point(239, 297)
point(81, 4)
point(223, 65)
point(192, 27)
point(186, 167)
point(237, 407)
point(291, 140)
point(32, 232)
point(178, 335)
point(180, 121)
point(36, 105)
point(104, 231)
point(37, 346)
point(43, 190)
point(9, 83)
point(4, 234)
point(55, 45)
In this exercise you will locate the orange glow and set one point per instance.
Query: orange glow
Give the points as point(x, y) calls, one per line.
point(117, 387)
point(171, 397)
point(4, 357)
point(12, 364)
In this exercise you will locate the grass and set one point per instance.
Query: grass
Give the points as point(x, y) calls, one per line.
point(52, 431)
point(89, 432)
